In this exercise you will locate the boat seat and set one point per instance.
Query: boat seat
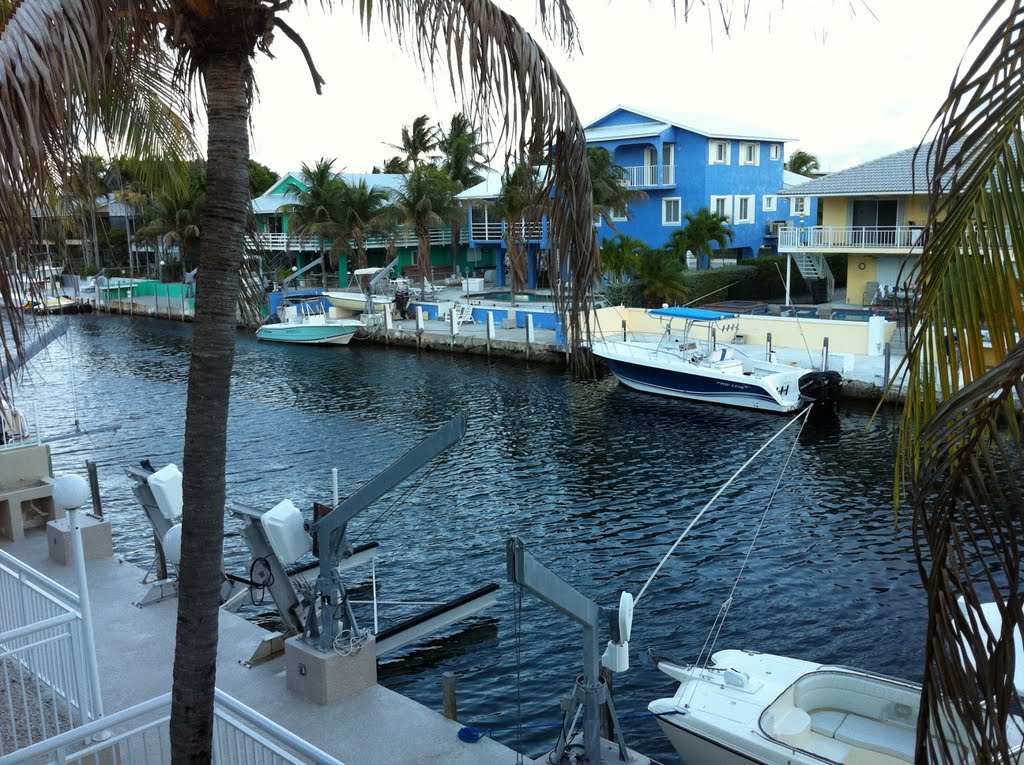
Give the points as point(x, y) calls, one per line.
point(861, 732)
point(827, 721)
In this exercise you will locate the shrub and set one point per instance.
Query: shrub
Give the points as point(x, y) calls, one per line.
point(628, 293)
point(837, 264)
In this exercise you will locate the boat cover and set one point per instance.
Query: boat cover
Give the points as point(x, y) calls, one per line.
point(698, 314)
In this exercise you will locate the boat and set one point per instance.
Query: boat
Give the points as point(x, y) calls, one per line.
point(364, 286)
point(749, 707)
point(684, 365)
point(52, 305)
point(306, 323)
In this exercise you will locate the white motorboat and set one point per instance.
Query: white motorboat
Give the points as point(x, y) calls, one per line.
point(307, 324)
point(752, 707)
point(368, 285)
point(700, 368)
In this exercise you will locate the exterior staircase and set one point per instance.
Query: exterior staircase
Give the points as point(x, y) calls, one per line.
point(816, 273)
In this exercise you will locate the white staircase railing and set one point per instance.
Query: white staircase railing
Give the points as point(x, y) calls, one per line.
point(812, 265)
point(240, 736)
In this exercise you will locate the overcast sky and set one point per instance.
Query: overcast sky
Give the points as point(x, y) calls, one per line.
point(850, 85)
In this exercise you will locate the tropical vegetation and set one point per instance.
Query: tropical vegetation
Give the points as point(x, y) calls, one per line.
point(802, 163)
point(520, 205)
point(362, 212)
point(425, 200)
point(702, 230)
point(656, 276)
point(317, 209)
point(610, 193)
point(418, 140)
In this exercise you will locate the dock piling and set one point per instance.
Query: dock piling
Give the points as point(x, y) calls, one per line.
point(888, 364)
point(389, 327)
point(490, 331)
point(768, 348)
point(623, 330)
point(824, 354)
point(451, 706)
point(530, 337)
point(419, 325)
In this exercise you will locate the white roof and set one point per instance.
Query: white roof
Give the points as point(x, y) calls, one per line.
point(268, 202)
point(710, 126)
point(489, 188)
point(623, 132)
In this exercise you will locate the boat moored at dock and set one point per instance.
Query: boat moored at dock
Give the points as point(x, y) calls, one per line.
point(306, 323)
point(684, 365)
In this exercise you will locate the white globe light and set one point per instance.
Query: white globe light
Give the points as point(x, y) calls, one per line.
point(70, 492)
point(294, 269)
point(162, 263)
point(172, 545)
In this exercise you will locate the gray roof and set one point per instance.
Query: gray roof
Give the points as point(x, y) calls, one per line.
point(897, 173)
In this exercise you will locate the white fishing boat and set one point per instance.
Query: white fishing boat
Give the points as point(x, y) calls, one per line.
point(364, 287)
point(749, 707)
point(688, 362)
point(306, 323)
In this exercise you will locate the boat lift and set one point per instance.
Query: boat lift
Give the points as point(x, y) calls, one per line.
point(591, 692)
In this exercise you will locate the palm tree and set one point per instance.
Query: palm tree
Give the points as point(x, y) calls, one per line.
point(87, 184)
point(318, 209)
point(619, 256)
point(174, 217)
point(461, 151)
point(418, 140)
point(611, 195)
point(360, 213)
point(56, 92)
point(393, 166)
point(426, 200)
point(662, 276)
point(703, 228)
point(519, 204)
point(802, 163)
point(960, 438)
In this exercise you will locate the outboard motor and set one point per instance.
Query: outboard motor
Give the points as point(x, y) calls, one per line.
point(401, 302)
point(821, 386)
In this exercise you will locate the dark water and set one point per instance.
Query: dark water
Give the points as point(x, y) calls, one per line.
point(598, 480)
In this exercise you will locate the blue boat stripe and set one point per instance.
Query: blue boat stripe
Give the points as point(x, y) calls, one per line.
point(680, 382)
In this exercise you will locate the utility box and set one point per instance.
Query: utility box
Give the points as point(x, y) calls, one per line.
point(329, 677)
point(96, 539)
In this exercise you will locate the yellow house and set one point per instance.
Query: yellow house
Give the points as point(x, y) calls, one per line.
point(874, 213)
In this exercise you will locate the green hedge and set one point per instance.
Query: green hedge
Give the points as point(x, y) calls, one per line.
point(837, 264)
point(629, 293)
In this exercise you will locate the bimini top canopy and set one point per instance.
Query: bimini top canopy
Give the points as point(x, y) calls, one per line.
point(696, 314)
point(367, 271)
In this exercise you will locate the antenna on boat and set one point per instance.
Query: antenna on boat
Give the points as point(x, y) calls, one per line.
point(591, 691)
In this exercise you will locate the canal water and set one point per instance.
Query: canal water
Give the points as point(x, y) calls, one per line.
point(597, 480)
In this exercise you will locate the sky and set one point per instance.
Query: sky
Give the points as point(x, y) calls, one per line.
point(850, 79)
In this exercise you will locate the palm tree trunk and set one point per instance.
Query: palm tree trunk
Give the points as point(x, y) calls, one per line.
point(206, 417)
point(95, 239)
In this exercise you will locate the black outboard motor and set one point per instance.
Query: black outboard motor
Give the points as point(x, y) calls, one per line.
point(821, 386)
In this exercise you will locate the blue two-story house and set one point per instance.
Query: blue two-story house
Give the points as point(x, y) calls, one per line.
point(682, 166)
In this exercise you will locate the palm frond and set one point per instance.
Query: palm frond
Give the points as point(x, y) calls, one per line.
point(960, 439)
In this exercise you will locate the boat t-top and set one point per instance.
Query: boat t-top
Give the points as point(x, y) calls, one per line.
point(687, 361)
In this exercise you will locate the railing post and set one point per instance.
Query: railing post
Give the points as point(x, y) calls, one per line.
point(85, 606)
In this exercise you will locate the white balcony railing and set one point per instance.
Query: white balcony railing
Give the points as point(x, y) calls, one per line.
point(240, 736)
point(46, 677)
point(403, 238)
point(849, 238)
point(647, 175)
point(494, 231)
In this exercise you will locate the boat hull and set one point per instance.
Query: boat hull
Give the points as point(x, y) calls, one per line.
point(696, 387)
point(696, 749)
point(307, 335)
point(355, 302)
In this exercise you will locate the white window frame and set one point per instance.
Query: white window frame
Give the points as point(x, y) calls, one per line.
point(754, 148)
point(664, 209)
point(750, 198)
point(806, 204)
point(617, 217)
point(776, 151)
point(726, 205)
point(713, 159)
point(769, 203)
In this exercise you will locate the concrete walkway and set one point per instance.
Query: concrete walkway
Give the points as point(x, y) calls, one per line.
point(135, 651)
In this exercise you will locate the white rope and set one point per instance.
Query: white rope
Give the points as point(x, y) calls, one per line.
point(733, 477)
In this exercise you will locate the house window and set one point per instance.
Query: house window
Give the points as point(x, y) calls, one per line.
point(718, 152)
point(769, 203)
point(671, 211)
point(619, 216)
point(776, 151)
point(800, 205)
point(745, 209)
point(750, 153)
point(722, 206)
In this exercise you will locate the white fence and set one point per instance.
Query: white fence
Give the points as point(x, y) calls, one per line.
point(140, 734)
point(849, 237)
point(44, 665)
point(647, 175)
point(402, 238)
point(494, 231)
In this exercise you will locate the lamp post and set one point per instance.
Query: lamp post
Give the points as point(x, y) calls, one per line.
point(70, 492)
point(161, 271)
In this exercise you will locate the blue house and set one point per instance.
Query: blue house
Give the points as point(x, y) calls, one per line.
point(682, 166)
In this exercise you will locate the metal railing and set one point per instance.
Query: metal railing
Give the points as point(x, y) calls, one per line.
point(47, 687)
point(647, 175)
point(141, 735)
point(495, 232)
point(849, 237)
point(402, 238)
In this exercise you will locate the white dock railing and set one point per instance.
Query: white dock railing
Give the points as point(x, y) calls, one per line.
point(45, 678)
point(140, 734)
